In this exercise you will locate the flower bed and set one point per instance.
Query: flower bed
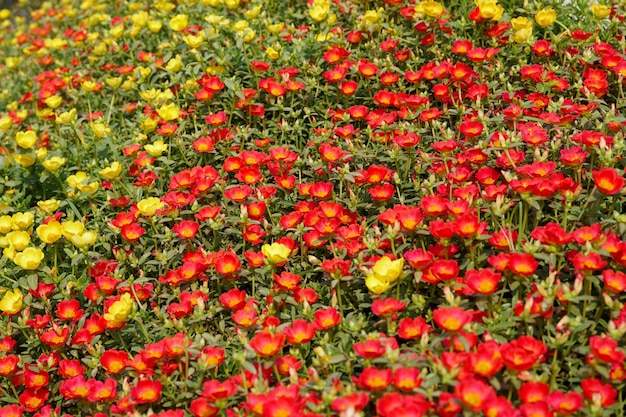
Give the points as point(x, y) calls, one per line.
point(289, 208)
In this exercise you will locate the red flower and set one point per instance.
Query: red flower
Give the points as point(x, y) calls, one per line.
point(200, 407)
point(267, 344)
point(395, 404)
point(451, 319)
point(146, 391)
point(412, 328)
point(102, 390)
point(234, 299)
point(407, 379)
point(523, 264)
point(474, 393)
point(387, 307)
point(608, 181)
point(532, 392)
point(373, 379)
point(186, 229)
point(69, 310)
point(227, 264)
point(33, 399)
point(614, 281)
point(356, 401)
point(484, 281)
point(565, 403)
point(326, 318)
point(114, 361)
point(606, 349)
point(299, 332)
point(598, 393)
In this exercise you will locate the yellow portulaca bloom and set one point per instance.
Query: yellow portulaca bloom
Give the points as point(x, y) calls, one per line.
point(18, 239)
point(50, 232)
point(66, 117)
point(179, 22)
point(29, 259)
point(49, 206)
point(112, 171)
point(90, 188)
point(520, 23)
point(53, 163)
point(388, 270)
point(114, 82)
point(54, 101)
point(149, 206)
point(372, 17)
point(272, 53)
point(85, 239)
point(545, 17)
point(275, 28)
point(155, 26)
point(276, 253)
point(24, 159)
point(194, 41)
point(6, 224)
point(78, 178)
point(120, 310)
point(5, 123)
point(489, 9)
point(26, 140)
point(174, 64)
point(71, 228)
point(22, 221)
point(41, 154)
point(168, 112)
point(600, 11)
point(376, 285)
point(523, 35)
point(156, 149)
point(12, 302)
point(320, 9)
point(99, 129)
point(254, 12)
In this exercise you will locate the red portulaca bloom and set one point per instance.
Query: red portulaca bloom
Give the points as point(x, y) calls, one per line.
point(267, 344)
point(608, 181)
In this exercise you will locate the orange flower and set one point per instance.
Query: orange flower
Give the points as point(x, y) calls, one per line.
point(114, 361)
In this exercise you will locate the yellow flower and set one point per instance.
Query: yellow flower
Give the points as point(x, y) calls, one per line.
point(112, 171)
point(100, 129)
point(276, 253)
point(139, 19)
point(376, 285)
point(149, 206)
point(54, 101)
point(240, 25)
point(50, 232)
point(41, 154)
point(26, 140)
point(254, 12)
point(72, 228)
point(168, 112)
point(89, 85)
point(117, 31)
point(194, 42)
point(232, 4)
point(179, 22)
point(149, 124)
point(120, 310)
point(387, 270)
point(29, 259)
point(22, 221)
point(90, 188)
point(24, 159)
point(78, 178)
point(320, 10)
point(85, 239)
point(600, 11)
point(249, 35)
point(156, 149)
point(155, 26)
point(53, 163)
point(11, 302)
point(272, 53)
point(49, 206)
point(275, 28)
point(372, 16)
point(5, 123)
point(489, 9)
point(522, 35)
point(174, 64)
point(6, 224)
point(66, 117)
point(114, 82)
point(519, 23)
point(432, 8)
point(18, 239)
point(5, 14)
point(545, 17)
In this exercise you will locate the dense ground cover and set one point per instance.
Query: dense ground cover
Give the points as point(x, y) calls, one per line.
point(289, 208)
